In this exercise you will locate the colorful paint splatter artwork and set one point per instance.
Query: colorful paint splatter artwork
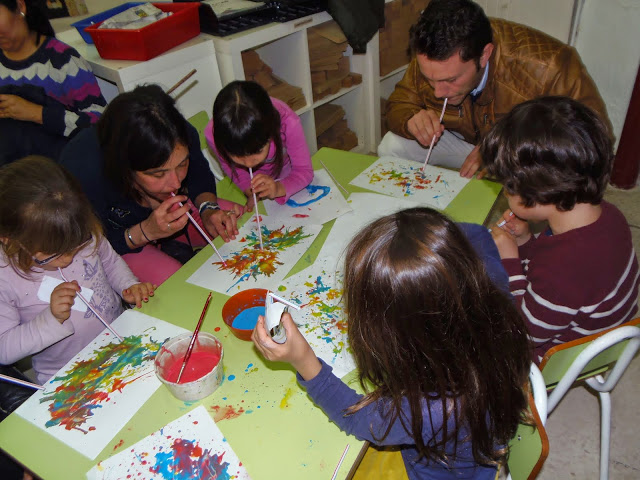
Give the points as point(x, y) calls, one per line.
point(316, 204)
point(321, 319)
point(90, 399)
point(189, 448)
point(247, 266)
point(402, 178)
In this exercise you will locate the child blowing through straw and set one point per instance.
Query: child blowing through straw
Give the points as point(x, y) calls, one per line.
point(580, 276)
point(251, 130)
point(47, 228)
point(445, 350)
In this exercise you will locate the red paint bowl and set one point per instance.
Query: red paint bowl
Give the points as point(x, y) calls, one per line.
point(254, 297)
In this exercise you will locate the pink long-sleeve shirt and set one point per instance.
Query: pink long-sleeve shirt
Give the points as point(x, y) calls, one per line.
point(27, 326)
point(297, 171)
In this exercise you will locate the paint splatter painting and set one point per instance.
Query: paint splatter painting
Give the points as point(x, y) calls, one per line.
point(92, 397)
point(402, 178)
point(316, 204)
point(247, 266)
point(189, 448)
point(321, 319)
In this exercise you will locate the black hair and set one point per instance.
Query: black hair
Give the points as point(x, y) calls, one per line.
point(550, 151)
point(446, 27)
point(138, 131)
point(244, 120)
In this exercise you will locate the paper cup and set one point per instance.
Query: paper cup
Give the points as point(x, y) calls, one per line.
point(174, 349)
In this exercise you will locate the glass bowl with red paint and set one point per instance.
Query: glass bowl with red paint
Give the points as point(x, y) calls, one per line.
point(202, 374)
point(240, 312)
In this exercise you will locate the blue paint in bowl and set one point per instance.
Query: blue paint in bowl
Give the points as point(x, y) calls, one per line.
point(247, 319)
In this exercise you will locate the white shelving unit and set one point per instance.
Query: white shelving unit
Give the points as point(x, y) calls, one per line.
point(284, 47)
point(116, 76)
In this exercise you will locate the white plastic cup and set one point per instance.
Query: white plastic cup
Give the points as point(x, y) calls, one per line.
point(174, 350)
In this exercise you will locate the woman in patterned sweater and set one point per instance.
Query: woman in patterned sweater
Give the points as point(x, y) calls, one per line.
point(47, 91)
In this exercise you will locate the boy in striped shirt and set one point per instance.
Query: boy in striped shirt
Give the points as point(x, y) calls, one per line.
point(580, 275)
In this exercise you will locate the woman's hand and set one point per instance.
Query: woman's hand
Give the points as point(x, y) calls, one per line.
point(62, 299)
point(13, 106)
point(222, 222)
point(266, 187)
point(138, 293)
point(296, 350)
point(167, 219)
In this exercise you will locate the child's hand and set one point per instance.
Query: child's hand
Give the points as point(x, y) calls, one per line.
point(506, 243)
point(516, 226)
point(295, 350)
point(138, 293)
point(250, 205)
point(266, 187)
point(62, 299)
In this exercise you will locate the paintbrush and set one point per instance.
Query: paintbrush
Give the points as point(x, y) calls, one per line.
point(22, 383)
point(255, 203)
point(193, 337)
point(334, 179)
point(181, 81)
point(433, 140)
point(202, 232)
point(95, 312)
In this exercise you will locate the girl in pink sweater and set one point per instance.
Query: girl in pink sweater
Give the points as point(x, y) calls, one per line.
point(47, 228)
point(249, 129)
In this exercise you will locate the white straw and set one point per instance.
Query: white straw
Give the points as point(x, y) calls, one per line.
point(6, 378)
point(86, 302)
point(334, 179)
point(344, 454)
point(202, 232)
point(255, 203)
point(433, 140)
point(282, 300)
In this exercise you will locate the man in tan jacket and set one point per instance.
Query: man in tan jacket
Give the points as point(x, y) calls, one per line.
point(483, 68)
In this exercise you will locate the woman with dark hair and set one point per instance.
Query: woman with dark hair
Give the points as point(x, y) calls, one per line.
point(140, 153)
point(249, 129)
point(444, 349)
point(47, 91)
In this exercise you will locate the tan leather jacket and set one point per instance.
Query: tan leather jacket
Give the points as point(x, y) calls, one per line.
point(525, 64)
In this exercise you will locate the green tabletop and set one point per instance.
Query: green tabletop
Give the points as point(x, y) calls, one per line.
point(266, 417)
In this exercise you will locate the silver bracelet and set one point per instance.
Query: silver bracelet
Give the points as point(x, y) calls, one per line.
point(128, 233)
point(208, 206)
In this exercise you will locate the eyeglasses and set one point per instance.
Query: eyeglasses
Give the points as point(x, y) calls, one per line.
point(50, 259)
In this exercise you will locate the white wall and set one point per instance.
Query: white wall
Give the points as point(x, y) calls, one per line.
point(608, 40)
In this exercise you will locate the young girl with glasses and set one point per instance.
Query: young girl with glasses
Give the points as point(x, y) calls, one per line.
point(48, 229)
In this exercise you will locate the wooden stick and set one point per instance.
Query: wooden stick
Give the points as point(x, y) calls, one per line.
point(22, 383)
point(334, 179)
point(180, 82)
point(433, 140)
point(193, 337)
point(255, 203)
point(95, 312)
point(344, 454)
point(202, 232)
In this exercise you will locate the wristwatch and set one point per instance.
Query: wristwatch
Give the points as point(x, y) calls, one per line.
point(208, 206)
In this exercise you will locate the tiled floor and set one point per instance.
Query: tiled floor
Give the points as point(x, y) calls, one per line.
point(574, 427)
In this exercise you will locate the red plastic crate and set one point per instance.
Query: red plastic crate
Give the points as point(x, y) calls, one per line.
point(152, 40)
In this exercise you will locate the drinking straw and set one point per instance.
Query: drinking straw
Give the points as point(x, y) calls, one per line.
point(23, 383)
point(433, 140)
point(95, 312)
point(344, 454)
point(255, 203)
point(193, 337)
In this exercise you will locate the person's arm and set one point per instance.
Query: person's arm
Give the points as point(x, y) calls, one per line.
point(119, 275)
point(79, 101)
point(19, 340)
point(301, 173)
point(569, 77)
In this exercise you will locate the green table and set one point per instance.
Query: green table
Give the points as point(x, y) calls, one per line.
point(266, 417)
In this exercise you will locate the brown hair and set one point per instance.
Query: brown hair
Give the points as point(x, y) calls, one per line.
point(426, 324)
point(550, 151)
point(42, 209)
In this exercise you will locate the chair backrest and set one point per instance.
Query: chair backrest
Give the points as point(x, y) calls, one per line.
point(611, 349)
point(529, 448)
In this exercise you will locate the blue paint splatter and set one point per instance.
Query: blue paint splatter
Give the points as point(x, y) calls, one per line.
point(311, 189)
point(231, 378)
